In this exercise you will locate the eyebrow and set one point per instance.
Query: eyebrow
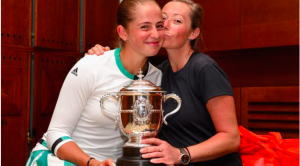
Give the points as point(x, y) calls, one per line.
point(160, 22)
point(173, 14)
point(150, 23)
point(144, 23)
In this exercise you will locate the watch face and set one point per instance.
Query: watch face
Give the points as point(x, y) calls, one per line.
point(185, 159)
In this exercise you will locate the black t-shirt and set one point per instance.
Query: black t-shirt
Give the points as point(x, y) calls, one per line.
point(198, 81)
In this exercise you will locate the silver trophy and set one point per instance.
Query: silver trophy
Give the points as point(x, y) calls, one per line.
point(140, 110)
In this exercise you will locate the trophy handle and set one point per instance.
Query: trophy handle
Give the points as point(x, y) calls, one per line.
point(102, 100)
point(175, 97)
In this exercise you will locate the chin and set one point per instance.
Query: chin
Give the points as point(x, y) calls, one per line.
point(152, 53)
point(154, 50)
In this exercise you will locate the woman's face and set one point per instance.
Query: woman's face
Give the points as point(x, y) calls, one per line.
point(177, 25)
point(145, 34)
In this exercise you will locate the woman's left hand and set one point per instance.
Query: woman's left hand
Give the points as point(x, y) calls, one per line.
point(160, 151)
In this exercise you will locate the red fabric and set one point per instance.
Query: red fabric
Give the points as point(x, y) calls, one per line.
point(268, 150)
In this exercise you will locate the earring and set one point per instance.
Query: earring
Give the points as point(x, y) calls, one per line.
point(125, 40)
point(190, 39)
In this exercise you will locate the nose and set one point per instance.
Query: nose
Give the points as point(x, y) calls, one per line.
point(166, 24)
point(155, 33)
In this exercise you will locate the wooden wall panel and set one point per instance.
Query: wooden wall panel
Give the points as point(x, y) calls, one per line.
point(221, 24)
point(269, 23)
point(16, 22)
point(277, 66)
point(162, 2)
point(100, 25)
point(271, 109)
point(15, 79)
point(50, 72)
point(57, 24)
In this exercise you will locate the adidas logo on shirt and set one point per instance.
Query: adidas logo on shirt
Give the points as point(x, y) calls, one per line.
point(75, 71)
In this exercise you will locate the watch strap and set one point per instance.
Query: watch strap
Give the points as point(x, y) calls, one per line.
point(188, 152)
point(184, 153)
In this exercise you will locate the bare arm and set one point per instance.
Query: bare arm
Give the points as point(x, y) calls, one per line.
point(227, 139)
point(98, 50)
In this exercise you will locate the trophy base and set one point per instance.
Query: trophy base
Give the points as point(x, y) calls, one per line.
point(132, 157)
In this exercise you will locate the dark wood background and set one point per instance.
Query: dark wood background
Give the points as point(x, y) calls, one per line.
point(255, 42)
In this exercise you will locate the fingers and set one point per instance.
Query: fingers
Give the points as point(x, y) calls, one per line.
point(90, 52)
point(154, 141)
point(107, 162)
point(106, 48)
point(153, 155)
point(151, 149)
point(152, 152)
point(160, 152)
point(157, 160)
point(98, 50)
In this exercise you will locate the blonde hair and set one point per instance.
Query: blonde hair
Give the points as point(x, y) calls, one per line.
point(196, 14)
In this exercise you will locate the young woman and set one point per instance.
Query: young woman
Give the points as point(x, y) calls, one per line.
point(79, 132)
point(205, 130)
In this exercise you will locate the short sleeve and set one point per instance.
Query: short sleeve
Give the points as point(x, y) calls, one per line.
point(213, 82)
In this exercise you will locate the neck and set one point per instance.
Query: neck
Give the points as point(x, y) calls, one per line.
point(179, 57)
point(132, 61)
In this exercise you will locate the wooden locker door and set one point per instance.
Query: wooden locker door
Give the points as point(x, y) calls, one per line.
point(271, 109)
point(57, 24)
point(50, 73)
point(16, 22)
point(221, 24)
point(100, 25)
point(15, 81)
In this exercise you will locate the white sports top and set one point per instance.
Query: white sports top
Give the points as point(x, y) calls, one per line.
point(78, 116)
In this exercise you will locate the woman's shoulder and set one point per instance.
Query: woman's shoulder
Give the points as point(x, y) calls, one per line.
point(93, 64)
point(91, 61)
point(201, 59)
point(200, 62)
point(106, 55)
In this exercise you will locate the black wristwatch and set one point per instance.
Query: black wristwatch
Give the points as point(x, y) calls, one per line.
point(185, 158)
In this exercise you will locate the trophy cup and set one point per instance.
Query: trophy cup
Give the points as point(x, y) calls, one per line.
point(140, 115)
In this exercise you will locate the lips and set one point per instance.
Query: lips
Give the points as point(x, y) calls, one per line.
point(156, 43)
